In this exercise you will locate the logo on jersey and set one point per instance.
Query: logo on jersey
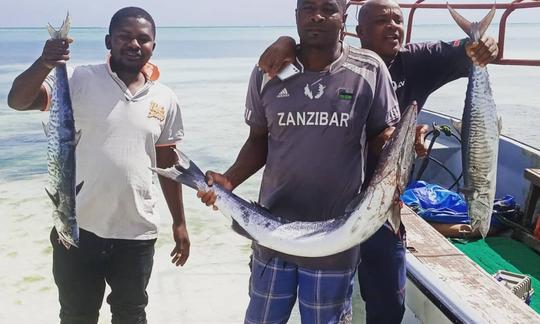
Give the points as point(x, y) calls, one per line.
point(309, 93)
point(283, 93)
point(345, 94)
point(156, 111)
point(397, 85)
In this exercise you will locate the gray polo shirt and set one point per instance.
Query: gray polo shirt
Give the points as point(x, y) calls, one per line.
point(318, 124)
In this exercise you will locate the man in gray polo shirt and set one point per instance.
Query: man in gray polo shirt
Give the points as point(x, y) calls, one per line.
point(310, 132)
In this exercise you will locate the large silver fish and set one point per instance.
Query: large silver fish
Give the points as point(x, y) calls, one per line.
point(62, 140)
point(365, 215)
point(480, 129)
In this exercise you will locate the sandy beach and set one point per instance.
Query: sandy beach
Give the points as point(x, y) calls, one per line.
point(210, 288)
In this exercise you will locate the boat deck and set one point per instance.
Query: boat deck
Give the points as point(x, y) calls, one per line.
point(474, 286)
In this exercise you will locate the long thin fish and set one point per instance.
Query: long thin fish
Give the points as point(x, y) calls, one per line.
point(62, 140)
point(480, 130)
point(366, 213)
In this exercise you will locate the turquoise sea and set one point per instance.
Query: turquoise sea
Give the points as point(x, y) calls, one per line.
point(209, 69)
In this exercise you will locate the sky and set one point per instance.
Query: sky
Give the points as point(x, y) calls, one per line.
point(167, 13)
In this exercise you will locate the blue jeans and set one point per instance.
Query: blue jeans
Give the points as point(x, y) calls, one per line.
point(382, 276)
point(81, 273)
point(323, 296)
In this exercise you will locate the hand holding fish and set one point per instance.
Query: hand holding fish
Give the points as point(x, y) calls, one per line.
point(377, 143)
point(419, 140)
point(209, 197)
point(55, 52)
point(180, 253)
point(482, 52)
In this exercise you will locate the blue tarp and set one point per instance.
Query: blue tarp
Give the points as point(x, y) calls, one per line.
point(439, 205)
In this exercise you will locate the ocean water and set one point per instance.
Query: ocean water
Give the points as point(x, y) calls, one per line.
point(208, 68)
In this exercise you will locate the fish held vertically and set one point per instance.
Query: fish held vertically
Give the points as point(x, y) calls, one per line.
point(62, 140)
point(480, 129)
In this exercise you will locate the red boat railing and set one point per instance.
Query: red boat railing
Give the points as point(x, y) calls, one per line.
point(507, 7)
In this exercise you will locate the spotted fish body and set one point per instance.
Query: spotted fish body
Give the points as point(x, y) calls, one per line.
point(480, 131)
point(362, 218)
point(61, 142)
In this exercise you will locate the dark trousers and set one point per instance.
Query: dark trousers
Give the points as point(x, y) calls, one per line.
point(382, 276)
point(81, 274)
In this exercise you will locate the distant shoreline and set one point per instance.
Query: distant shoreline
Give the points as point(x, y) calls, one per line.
point(241, 27)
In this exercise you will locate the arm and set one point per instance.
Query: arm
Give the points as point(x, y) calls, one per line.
point(278, 55)
point(430, 66)
point(27, 91)
point(172, 191)
point(251, 158)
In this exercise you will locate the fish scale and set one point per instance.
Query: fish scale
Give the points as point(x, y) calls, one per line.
point(480, 131)
point(61, 142)
point(364, 215)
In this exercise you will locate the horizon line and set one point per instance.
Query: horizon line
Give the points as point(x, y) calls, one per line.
point(244, 26)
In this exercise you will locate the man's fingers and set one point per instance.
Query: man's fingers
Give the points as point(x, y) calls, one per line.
point(180, 255)
point(273, 69)
point(209, 177)
point(208, 198)
point(183, 258)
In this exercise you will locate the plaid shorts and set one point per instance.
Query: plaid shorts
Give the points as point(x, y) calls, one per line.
point(323, 296)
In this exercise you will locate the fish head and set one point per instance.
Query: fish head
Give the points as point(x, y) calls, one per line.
point(68, 231)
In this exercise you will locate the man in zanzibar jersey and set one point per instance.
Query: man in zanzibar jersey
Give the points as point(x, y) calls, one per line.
point(310, 132)
point(129, 123)
point(417, 70)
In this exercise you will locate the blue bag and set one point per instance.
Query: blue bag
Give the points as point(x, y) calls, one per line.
point(439, 205)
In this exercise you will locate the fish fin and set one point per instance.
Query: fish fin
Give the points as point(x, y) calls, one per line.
point(45, 129)
point(78, 188)
point(462, 22)
point(55, 198)
point(486, 21)
point(499, 124)
point(66, 26)
point(77, 137)
point(62, 32)
point(475, 30)
point(51, 30)
point(457, 126)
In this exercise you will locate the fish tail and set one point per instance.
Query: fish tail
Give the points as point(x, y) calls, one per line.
point(475, 30)
point(62, 32)
point(185, 172)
